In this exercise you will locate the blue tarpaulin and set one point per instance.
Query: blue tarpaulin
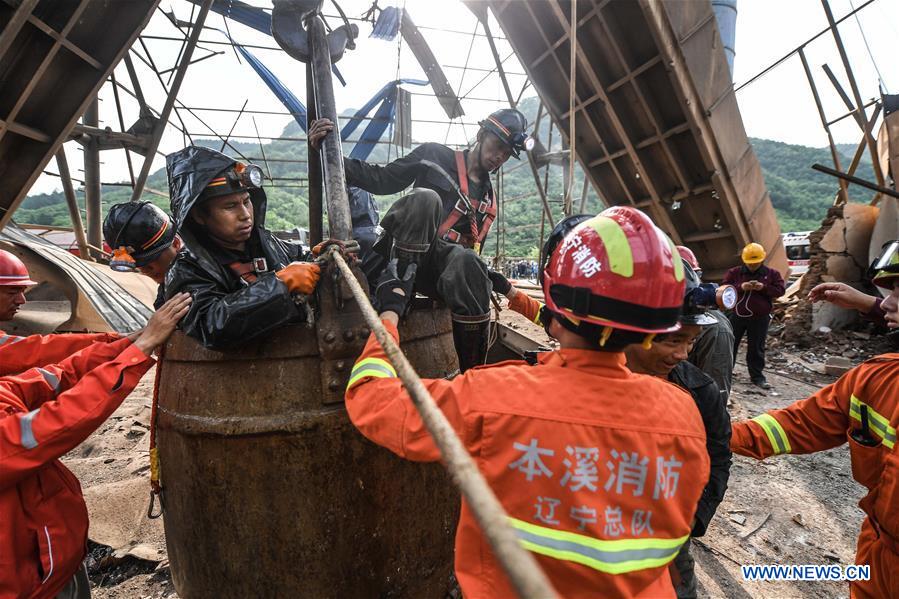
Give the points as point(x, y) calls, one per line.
point(290, 101)
point(385, 114)
point(253, 17)
point(388, 25)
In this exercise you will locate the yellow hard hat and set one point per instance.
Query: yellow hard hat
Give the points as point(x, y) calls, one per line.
point(753, 253)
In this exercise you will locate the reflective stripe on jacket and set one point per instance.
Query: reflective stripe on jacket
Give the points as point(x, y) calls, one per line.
point(44, 413)
point(18, 354)
point(526, 306)
point(827, 418)
point(599, 469)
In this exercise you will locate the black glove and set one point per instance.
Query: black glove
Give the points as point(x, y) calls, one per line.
point(500, 283)
point(395, 293)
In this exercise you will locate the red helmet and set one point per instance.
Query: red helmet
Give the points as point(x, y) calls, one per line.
point(688, 255)
point(617, 270)
point(13, 271)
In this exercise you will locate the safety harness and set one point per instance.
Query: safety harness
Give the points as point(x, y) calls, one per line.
point(467, 206)
point(249, 271)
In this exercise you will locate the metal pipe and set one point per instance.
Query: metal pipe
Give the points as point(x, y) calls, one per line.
point(92, 188)
point(853, 179)
point(872, 146)
point(833, 148)
point(170, 101)
point(339, 222)
point(72, 202)
point(314, 175)
point(502, 76)
point(525, 574)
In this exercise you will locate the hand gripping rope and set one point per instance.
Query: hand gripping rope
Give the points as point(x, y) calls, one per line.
point(519, 564)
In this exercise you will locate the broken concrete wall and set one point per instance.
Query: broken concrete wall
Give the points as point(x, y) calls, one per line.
point(838, 252)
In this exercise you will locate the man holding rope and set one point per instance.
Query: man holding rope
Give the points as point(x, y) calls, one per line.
point(600, 501)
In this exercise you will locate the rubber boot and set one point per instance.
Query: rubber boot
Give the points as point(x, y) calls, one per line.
point(470, 339)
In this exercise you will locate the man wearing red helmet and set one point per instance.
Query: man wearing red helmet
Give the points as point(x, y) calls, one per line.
point(21, 353)
point(604, 500)
point(861, 409)
point(46, 412)
point(712, 351)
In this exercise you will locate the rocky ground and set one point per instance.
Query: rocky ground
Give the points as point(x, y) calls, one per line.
point(791, 510)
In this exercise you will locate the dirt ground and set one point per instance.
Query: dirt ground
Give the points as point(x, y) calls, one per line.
point(791, 510)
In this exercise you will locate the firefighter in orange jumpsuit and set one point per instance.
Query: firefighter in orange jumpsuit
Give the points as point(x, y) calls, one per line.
point(44, 413)
point(21, 353)
point(599, 469)
point(861, 409)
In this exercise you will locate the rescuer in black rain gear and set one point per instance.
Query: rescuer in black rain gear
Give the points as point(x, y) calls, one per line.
point(143, 239)
point(245, 282)
point(432, 226)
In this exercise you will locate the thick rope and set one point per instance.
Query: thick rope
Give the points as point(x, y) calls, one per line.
point(155, 474)
point(520, 566)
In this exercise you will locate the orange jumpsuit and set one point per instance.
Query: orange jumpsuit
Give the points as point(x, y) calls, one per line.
point(18, 354)
point(825, 420)
point(44, 413)
point(599, 469)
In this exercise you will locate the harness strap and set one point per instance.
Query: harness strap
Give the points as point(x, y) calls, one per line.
point(487, 208)
point(244, 270)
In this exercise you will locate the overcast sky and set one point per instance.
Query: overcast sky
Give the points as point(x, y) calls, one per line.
point(777, 106)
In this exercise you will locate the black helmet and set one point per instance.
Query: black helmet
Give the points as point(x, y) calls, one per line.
point(510, 126)
point(137, 232)
point(562, 228)
point(197, 174)
point(696, 302)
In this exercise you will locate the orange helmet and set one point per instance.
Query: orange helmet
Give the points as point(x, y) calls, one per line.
point(13, 272)
point(617, 270)
point(688, 255)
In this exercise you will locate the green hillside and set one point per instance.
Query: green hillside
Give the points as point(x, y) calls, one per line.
point(800, 195)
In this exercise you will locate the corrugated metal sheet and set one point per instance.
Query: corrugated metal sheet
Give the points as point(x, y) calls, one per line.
point(657, 121)
point(94, 296)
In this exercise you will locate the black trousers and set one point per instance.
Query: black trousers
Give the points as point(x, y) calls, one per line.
point(756, 330)
point(685, 566)
point(447, 271)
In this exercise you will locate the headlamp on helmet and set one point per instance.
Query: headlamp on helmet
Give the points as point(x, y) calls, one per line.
point(122, 260)
point(885, 268)
point(246, 175)
point(523, 141)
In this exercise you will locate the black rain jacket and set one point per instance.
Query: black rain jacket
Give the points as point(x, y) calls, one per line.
point(226, 311)
point(413, 170)
point(713, 409)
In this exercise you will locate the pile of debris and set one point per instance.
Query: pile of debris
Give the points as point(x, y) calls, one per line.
point(838, 252)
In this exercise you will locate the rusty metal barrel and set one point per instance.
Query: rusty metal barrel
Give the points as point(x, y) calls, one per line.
point(269, 490)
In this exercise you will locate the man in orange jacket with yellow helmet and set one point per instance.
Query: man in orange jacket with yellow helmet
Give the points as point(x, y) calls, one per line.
point(861, 409)
point(605, 502)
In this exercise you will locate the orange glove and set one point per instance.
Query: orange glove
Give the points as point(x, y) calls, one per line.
point(320, 247)
point(300, 277)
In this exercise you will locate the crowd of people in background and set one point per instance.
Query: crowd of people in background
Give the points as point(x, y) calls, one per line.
point(521, 269)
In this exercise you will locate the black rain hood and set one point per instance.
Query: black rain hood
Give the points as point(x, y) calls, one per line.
point(190, 170)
